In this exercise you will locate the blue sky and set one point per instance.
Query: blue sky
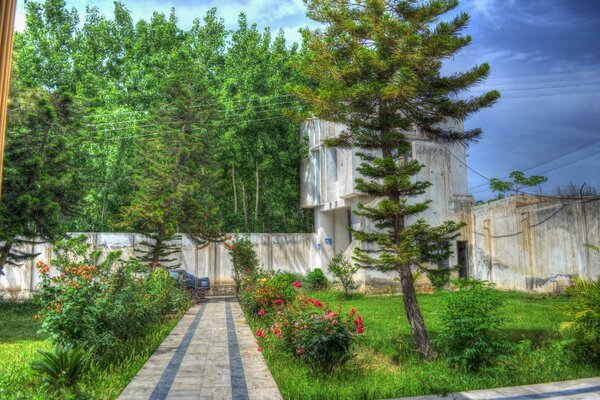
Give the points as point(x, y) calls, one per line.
point(545, 59)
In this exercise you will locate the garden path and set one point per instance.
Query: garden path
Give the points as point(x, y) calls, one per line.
point(588, 389)
point(210, 354)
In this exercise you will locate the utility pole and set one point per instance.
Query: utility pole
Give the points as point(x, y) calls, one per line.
point(7, 27)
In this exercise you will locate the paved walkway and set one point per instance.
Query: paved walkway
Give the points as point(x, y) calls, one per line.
point(210, 354)
point(588, 389)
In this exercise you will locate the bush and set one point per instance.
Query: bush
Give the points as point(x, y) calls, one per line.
point(344, 271)
point(439, 278)
point(99, 304)
point(317, 280)
point(244, 260)
point(582, 326)
point(266, 294)
point(311, 331)
point(470, 320)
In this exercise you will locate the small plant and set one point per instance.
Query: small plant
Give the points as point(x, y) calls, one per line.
point(583, 322)
point(439, 278)
point(244, 260)
point(470, 321)
point(317, 280)
point(344, 272)
point(61, 369)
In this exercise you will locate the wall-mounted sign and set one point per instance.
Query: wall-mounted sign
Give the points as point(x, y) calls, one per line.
point(329, 241)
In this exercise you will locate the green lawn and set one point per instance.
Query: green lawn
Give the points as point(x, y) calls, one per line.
point(19, 343)
point(385, 365)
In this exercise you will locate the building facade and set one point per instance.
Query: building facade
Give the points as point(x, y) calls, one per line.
point(328, 186)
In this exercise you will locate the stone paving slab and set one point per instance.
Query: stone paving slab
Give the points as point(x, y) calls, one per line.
point(588, 389)
point(210, 354)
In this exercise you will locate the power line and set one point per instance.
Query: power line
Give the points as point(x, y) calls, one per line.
point(583, 146)
point(553, 169)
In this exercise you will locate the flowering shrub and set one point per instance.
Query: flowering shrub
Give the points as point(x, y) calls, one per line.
point(310, 330)
point(94, 303)
point(266, 295)
point(325, 339)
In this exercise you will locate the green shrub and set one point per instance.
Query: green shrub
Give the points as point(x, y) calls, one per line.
point(100, 304)
point(61, 370)
point(317, 280)
point(470, 320)
point(439, 278)
point(582, 326)
point(344, 272)
point(244, 260)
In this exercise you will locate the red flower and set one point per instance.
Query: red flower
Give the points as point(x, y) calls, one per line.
point(359, 319)
point(360, 330)
point(278, 302)
point(297, 284)
point(353, 311)
point(261, 313)
point(259, 350)
point(260, 333)
point(317, 303)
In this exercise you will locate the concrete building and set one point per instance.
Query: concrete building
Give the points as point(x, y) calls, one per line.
point(328, 186)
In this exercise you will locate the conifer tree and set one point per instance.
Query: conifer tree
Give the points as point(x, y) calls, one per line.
point(375, 67)
point(43, 175)
point(173, 191)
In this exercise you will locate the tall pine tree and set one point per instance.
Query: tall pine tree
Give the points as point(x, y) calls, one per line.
point(375, 67)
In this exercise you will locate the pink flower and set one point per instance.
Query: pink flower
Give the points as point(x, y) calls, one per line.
point(334, 322)
point(297, 284)
point(278, 302)
point(261, 313)
point(279, 312)
point(296, 325)
point(300, 351)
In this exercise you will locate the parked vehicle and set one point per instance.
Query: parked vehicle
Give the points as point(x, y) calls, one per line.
point(198, 286)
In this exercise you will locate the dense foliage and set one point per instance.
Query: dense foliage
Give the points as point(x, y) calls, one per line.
point(582, 326)
point(375, 66)
point(471, 319)
point(148, 127)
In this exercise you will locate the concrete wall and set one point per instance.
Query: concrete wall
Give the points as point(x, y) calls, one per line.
point(294, 252)
point(534, 243)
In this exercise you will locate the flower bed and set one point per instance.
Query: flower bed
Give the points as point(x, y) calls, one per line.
point(300, 325)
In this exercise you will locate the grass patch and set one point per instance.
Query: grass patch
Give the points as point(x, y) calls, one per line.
point(19, 343)
point(385, 365)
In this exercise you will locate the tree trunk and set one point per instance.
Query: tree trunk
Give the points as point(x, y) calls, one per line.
point(235, 201)
point(257, 194)
point(245, 205)
point(156, 250)
point(413, 313)
point(4, 252)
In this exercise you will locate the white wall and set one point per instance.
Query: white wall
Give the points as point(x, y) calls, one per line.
point(534, 243)
point(293, 252)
